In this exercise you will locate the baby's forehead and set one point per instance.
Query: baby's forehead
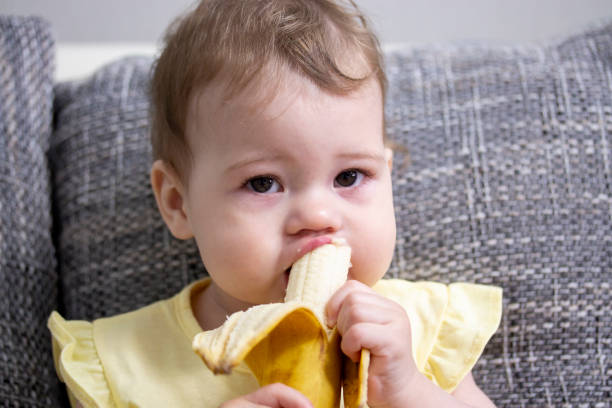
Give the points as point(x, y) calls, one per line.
point(267, 95)
point(254, 96)
point(274, 115)
point(219, 103)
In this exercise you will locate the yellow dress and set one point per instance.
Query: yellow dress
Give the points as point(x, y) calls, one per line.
point(144, 358)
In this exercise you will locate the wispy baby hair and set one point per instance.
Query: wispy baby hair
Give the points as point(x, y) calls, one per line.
point(328, 42)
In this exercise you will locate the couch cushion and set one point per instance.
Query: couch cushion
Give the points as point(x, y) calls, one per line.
point(115, 252)
point(510, 183)
point(28, 280)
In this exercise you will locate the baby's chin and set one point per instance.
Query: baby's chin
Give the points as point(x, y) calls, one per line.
point(368, 279)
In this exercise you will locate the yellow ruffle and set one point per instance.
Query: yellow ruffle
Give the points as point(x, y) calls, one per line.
point(471, 317)
point(451, 325)
point(75, 356)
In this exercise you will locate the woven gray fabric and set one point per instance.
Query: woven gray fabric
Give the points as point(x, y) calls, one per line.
point(27, 261)
point(115, 253)
point(510, 183)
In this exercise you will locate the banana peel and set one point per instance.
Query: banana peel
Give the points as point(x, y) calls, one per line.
point(355, 380)
point(289, 342)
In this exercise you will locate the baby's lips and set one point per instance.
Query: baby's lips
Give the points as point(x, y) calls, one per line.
point(313, 244)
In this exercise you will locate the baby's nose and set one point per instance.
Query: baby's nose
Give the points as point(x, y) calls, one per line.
point(313, 212)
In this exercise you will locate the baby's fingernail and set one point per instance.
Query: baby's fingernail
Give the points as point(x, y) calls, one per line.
point(329, 318)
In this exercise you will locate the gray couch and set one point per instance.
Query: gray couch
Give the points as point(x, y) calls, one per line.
point(508, 182)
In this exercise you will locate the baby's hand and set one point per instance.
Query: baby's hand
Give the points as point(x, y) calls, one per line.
point(368, 320)
point(272, 396)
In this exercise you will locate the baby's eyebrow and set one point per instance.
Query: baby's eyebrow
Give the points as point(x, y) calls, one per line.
point(249, 161)
point(373, 156)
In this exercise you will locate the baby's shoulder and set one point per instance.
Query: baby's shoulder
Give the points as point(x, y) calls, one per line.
point(77, 362)
point(450, 324)
point(125, 353)
point(119, 333)
point(403, 291)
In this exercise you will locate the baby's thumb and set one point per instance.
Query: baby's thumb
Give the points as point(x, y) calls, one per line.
point(279, 396)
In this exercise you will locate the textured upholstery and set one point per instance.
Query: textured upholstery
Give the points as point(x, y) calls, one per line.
point(28, 278)
point(115, 252)
point(510, 183)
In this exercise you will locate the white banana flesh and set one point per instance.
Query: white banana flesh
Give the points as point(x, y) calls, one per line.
point(317, 275)
point(312, 281)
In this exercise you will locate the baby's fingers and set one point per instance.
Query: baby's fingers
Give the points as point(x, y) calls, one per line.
point(271, 396)
point(337, 300)
point(384, 342)
point(362, 336)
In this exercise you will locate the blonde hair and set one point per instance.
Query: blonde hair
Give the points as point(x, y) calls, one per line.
point(321, 40)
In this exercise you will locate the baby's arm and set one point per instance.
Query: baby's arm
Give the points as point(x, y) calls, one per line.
point(272, 396)
point(368, 320)
point(468, 392)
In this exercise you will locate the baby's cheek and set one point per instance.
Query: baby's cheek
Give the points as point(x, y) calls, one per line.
point(243, 264)
point(369, 264)
point(373, 255)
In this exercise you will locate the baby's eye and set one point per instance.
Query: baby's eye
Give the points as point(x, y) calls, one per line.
point(348, 178)
point(263, 185)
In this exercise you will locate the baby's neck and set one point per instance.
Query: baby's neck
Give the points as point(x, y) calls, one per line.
point(209, 311)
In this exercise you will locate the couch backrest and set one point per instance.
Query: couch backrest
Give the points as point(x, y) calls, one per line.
point(508, 182)
point(28, 275)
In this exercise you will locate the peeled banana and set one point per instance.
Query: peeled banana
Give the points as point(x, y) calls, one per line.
point(289, 342)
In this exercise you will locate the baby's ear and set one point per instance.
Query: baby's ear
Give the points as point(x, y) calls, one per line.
point(389, 157)
point(169, 192)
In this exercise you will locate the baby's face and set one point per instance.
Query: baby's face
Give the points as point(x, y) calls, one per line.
point(268, 184)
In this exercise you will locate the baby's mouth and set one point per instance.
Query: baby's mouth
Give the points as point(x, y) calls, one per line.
point(286, 275)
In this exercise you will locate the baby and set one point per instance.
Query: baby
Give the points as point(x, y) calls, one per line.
point(268, 140)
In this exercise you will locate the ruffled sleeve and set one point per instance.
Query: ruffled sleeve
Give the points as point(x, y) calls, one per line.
point(77, 362)
point(451, 325)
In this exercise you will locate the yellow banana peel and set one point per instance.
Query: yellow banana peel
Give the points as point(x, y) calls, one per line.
point(355, 380)
point(289, 342)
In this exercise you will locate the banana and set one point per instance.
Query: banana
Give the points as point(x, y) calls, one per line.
point(317, 275)
point(289, 342)
point(355, 381)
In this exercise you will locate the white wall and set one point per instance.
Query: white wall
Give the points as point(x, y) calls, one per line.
point(497, 20)
point(395, 20)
